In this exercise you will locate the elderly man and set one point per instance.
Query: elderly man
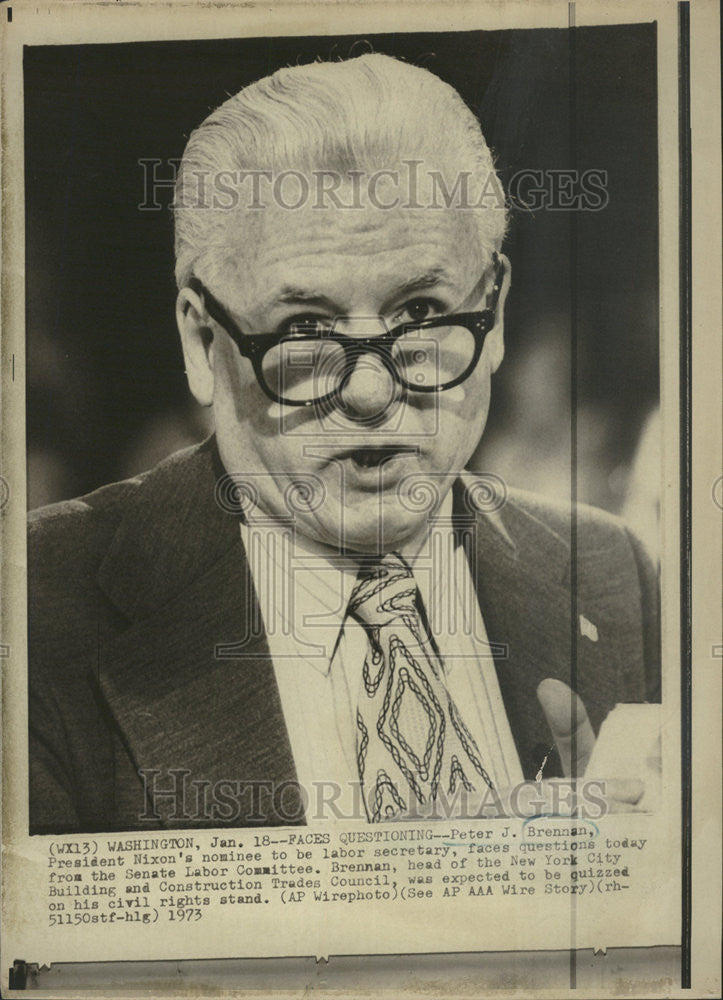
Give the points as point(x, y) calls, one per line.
point(320, 597)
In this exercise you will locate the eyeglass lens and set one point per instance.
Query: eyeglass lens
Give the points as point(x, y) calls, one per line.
point(309, 369)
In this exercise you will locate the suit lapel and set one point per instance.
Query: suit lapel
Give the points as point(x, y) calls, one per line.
point(191, 683)
point(522, 573)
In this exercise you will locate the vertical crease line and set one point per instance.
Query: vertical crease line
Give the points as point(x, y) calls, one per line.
point(572, 112)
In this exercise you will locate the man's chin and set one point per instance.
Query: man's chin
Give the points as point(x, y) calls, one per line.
point(385, 534)
point(368, 524)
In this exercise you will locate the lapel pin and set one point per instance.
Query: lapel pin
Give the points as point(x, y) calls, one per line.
point(588, 629)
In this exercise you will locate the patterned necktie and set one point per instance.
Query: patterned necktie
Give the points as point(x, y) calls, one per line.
point(411, 740)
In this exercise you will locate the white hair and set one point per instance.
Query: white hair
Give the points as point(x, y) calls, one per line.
point(373, 112)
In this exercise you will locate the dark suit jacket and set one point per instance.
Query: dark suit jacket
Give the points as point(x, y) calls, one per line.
point(143, 654)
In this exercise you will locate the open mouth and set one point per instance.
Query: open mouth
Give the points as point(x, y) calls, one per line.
point(372, 458)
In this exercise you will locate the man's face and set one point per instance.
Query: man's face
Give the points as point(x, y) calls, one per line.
point(367, 269)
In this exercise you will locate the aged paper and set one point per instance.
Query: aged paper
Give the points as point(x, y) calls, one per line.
point(131, 832)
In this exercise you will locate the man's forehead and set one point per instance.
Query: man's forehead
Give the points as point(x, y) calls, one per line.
point(290, 252)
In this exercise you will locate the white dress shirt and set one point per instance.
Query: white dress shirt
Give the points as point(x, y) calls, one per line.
point(303, 591)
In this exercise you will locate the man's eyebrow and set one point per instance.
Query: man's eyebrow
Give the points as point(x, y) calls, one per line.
point(297, 295)
point(428, 279)
point(302, 296)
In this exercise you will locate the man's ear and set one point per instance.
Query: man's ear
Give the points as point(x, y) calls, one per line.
point(495, 341)
point(197, 343)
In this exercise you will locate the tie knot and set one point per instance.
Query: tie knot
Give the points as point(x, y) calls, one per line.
point(384, 590)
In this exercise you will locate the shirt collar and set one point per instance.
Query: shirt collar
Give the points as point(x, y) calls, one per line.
point(318, 582)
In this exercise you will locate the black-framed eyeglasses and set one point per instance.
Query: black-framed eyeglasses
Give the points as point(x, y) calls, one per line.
point(311, 363)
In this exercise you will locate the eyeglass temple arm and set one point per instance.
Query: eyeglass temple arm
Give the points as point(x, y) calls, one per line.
point(499, 273)
point(214, 308)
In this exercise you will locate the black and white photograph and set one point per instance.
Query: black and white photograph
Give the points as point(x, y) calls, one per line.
point(352, 273)
point(354, 573)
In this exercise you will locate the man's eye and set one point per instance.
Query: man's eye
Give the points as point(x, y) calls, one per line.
point(421, 309)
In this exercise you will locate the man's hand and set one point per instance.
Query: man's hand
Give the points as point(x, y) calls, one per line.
point(569, 724)
point(575, 740)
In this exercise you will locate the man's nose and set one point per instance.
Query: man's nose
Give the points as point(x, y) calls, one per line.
point(369, 392)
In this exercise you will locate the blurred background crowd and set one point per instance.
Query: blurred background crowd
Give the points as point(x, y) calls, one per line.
point(106, 392)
